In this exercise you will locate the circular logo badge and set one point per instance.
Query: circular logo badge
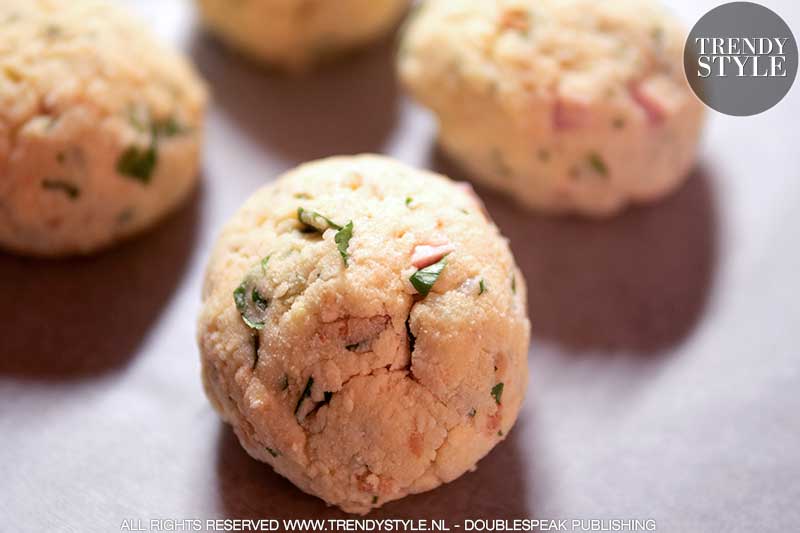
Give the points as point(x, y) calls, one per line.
point(740, 58)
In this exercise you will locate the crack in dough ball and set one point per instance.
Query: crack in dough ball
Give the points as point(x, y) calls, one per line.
point(100, 126)
point(583, 106)
point(364, 330)
point(297, 34)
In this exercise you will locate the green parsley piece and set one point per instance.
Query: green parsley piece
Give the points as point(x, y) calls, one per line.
point(597, 164)
point(514, 283)
point(497, 392)
point(272, 452)
point(352, 347)
point(167, 127)
point(261, 302)
point(500, 163)
point(138, 163)
point(481, 287)
point(409, 200)
point(424, 278)
point(342, 239)
point(264, 264)
point(374, 500)
point(70, 189)
point(240, 299)
point(305, 394)
point(314, 220)
point(544, 155)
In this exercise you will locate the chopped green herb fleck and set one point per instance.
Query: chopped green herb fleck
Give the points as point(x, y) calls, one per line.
point(261, 302)
point(167, 127)
point(424, 278)
point(409, 200)
point(544, 155)
point(314, 220)
point(497, 392)
point(283, 383)
point(481, 287)
point(597, 164)
point(657, 35)
point(472, 412)
point(240, 299)
point(374, 500)
point(70, 189)
point(305, 394)
point(352, 347)
point(342, 240)
point(500, 163)
point(272, 452)
point(138, 163)
point(499, 432)
point(302, 196)
point(53, 31)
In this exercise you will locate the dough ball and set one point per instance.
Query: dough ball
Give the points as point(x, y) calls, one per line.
point(296, 34)
point(567, 105)
point(364, 330)
point(100, 126)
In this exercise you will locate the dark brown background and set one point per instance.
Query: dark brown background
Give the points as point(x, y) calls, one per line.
point(664, 365)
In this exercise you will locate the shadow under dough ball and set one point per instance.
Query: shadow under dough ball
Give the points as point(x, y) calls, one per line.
point(364, 330)
point(582, 105)
point(297, 34)
point(100, 126)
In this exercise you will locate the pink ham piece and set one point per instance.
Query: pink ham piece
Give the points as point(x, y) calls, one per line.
point(646, 96)
point(428, 254)
point(569, 114)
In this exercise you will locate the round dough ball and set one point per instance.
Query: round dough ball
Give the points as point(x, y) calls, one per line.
point(567, 105)
point(330, 363)
point(100, 126)
point(296, 34)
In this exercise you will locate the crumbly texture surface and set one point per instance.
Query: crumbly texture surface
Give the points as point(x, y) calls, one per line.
point(298, 34)
point(100, 126)
point(344, 377)
point(583, 105)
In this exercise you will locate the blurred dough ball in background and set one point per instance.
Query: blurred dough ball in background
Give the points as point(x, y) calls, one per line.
point(100, 126)
point(364, 330)
point(297, 34)
point(567, 105)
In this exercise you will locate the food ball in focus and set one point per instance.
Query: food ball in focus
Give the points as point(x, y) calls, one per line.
point(100, 126)
point(567, 105)
point(364, 330)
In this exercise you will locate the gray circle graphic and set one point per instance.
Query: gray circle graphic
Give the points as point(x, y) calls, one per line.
point(740, 58)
